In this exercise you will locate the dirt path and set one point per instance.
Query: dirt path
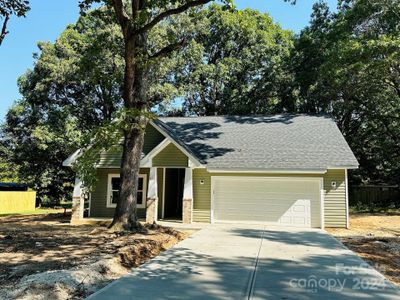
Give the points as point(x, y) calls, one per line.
point(376, 238)
point(43, 254)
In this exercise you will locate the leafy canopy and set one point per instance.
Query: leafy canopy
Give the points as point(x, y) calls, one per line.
point(8, 8)
point(348, 64)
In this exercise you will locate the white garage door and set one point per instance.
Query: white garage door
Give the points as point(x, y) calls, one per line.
point(285, 201)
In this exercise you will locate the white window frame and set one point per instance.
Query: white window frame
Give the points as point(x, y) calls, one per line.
point(109, 190)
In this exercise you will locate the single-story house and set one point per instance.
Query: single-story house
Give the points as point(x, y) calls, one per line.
point(285, 169)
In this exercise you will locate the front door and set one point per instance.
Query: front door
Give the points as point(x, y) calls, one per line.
point(174, 182)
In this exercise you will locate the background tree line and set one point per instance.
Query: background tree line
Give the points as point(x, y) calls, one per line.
point(345, 63)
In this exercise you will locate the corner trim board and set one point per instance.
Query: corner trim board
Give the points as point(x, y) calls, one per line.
point(163, 192)
point(347, 199)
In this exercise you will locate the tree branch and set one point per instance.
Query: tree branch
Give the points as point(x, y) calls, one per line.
point(4, 31)
point(168, 49)
point(135, 8)
point(122, 16)
point(167, 13)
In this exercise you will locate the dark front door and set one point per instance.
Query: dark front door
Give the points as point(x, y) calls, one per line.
point(174, 181)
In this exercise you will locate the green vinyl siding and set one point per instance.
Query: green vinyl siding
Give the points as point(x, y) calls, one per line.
point(98, 198)
point(334, 206)
point(170, 156)
point(201, 196)
point(152, 138)
point(112, 158)
point(335, 198)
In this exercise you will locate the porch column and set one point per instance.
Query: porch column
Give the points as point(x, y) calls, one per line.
point(152, 197)
point(78, 201)
point(187, 205)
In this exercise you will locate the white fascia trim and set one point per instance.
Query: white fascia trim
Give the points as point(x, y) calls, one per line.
point(194, 161)
point(163, 194)
point(71, 159)
point(272, 171)
point(107, 167)
point(343, 168)
point(147, 160)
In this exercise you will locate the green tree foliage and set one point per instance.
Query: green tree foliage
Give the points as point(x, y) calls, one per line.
point(137, 19)
point(236, 64)
point(74, 87)
point(8, 8)
point(8, 170)
point(81, 72)
point(69, 100)
point(348, 64)
point(37, 142)
point(345, 64)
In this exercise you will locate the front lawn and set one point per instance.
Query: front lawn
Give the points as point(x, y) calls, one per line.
point(43, 257)
point(37, 211)
point(376, 238)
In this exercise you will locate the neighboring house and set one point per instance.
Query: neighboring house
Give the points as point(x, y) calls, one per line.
point(286, 169)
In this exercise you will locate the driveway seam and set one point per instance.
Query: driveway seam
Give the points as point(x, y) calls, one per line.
point(253, 275)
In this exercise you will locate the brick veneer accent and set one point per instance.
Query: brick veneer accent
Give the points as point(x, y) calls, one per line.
point(77, 212)
point(187, 208)
point(151, 210)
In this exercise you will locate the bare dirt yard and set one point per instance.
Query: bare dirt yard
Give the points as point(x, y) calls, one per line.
point(43, 257)
point(376, 238)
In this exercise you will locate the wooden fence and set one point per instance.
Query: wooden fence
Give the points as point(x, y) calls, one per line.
point(15, 202)
point(374, 196)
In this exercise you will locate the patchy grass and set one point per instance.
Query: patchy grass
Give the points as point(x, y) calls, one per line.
point(46, 258)
point(376, 238)
point(37, 211)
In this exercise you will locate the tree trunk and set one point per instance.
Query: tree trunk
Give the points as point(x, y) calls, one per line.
point(125, 217)
point(135, 98)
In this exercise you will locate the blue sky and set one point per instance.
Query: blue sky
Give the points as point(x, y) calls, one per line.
point(48, 18)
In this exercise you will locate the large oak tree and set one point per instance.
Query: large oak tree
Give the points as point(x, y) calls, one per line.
point(137, 18)
point(74, 89)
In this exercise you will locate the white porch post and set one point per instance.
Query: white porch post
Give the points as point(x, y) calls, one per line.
point(152, 197)
point(187, 205)
point(78, 201)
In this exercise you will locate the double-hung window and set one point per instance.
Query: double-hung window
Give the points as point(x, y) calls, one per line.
point(113, 190)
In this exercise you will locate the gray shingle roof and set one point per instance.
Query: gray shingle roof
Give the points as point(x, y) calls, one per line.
point(281, 142)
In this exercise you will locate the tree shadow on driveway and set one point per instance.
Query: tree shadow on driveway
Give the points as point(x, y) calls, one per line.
point(308, 264)
point(303, 264)
point(181, 273)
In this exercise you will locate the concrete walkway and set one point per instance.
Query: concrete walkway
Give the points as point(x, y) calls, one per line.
point(253, 262)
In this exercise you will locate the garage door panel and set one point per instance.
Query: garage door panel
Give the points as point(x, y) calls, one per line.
point(267, 200)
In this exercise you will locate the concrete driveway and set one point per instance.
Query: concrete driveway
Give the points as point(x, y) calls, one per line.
point(253, 262)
